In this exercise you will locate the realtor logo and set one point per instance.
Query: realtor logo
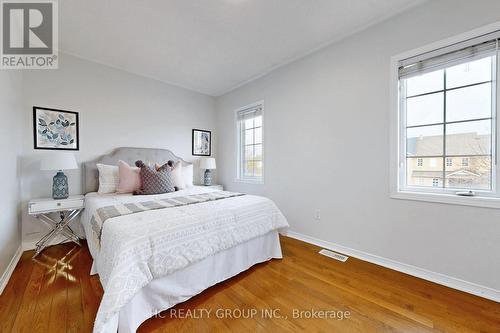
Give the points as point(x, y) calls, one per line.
point(29, 35)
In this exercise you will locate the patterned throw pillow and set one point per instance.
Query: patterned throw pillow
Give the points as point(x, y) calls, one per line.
point(177, 176)
point(155, 181)
point(187, 175)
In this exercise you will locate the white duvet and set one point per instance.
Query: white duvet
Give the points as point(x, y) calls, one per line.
point(141, 247)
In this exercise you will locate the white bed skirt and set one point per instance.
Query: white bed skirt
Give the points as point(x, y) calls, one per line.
point(162, 294)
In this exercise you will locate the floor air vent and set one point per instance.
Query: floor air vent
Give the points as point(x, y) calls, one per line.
point(334, 255)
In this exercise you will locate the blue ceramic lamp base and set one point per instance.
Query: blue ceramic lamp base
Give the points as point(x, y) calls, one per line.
point(207, 180)
point(60, 186)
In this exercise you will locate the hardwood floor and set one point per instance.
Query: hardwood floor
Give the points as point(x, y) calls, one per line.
point(56, 294)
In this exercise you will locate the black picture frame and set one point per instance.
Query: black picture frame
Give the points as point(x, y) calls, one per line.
point(61, 147)
point(195, 151)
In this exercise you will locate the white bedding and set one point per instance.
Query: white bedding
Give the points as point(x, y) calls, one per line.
point(139, 248)
point(163, 293)
point(94, 200)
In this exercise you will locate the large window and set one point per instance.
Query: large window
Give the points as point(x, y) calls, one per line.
point(447, 104)
point(249, 127)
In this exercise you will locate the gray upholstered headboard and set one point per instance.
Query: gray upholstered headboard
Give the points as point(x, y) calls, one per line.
point(127, 154)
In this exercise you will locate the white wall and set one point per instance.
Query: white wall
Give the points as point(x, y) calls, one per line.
point(116, 109)
point(10, 137)
point(327, 148)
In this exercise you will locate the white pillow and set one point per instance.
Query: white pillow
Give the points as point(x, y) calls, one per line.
point(177, 176)
point(108, 178)
point(187, 174)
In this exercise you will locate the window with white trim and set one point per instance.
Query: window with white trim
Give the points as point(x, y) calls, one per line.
point(447, 112)
point(249, 127)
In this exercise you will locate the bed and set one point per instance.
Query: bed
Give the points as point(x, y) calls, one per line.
point(151, 260)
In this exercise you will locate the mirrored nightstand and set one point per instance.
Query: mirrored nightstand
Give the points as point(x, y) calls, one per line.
point(68, 210)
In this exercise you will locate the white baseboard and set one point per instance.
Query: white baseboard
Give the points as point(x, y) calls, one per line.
point(10, 269)
point(448, 281)
point(25, 246)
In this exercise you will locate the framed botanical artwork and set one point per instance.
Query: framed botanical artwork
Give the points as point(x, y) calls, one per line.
point(55, 129)
point(202, 142)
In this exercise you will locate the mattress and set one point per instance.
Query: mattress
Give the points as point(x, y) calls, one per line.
point(148, 253)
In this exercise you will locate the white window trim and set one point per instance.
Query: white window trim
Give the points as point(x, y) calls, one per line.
point(238, 178)
point(396, 192)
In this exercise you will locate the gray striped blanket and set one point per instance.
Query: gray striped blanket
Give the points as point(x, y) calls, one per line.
point(104, 213)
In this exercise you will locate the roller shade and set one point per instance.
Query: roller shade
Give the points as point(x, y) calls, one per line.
point(250, 112)
point(455, 54)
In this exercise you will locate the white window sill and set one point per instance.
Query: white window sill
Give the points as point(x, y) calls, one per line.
point(249, 181)
point(452, 199)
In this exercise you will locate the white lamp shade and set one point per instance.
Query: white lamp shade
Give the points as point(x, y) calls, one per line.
point(207, 163)
point(58, 161)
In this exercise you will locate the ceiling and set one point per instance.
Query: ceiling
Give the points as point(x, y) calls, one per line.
point(210, 46)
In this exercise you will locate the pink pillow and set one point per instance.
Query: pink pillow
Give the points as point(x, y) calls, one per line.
point(130, 180)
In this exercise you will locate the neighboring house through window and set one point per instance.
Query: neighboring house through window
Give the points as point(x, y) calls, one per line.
point(448, 118)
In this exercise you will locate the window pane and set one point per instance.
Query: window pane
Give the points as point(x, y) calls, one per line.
point(469, 103)
point(469, 138)
point(469, 73)
point(258, 121)
point(249, 123)
point(427, 172)
point(474, 174)
point(427, 109)
point(249, 153)
point(424, 141)
point(249, 137)
point(248, 169)
point(258, 168)
point(258, 152)
point(421, 84)
point(258, 135)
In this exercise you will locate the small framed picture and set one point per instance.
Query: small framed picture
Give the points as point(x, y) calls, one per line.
point(55, 129)
point(202, 142)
